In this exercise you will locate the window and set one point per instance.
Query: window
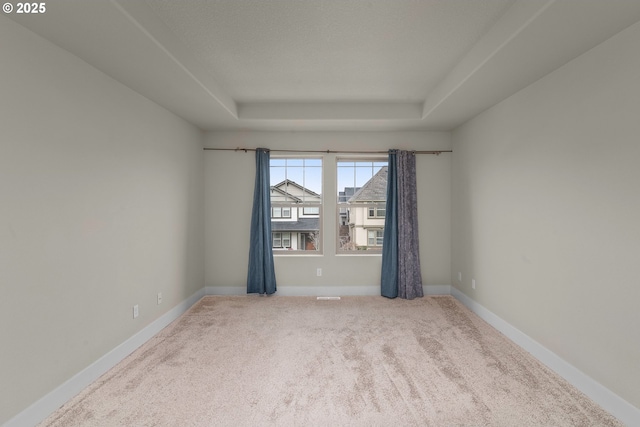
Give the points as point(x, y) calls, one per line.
point(311, 211)
point(362, 196)
point(374, 237)
point(281, 212)
point(376, 212)
point(296, 203)
point(281, 240)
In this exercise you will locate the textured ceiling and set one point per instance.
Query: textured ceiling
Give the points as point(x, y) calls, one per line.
point(330, 49)
point(328, 64)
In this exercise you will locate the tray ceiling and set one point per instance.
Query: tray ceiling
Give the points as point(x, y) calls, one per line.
point(329, 64)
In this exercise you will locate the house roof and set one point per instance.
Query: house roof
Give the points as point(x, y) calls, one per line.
point(288, 182)
point(302, 224)
point(343, 196)
point(284, 193)
point(373, 190)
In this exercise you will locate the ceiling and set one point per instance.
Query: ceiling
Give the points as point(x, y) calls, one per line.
point(329, 64)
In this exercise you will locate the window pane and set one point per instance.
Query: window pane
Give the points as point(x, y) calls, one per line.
point(346, 181)
point(306, 173)
point(277, 175)
point(361, 196)
point(294, 162)
point(363, 175)
point(295, 184)
point(313, 179)
point(313, 162)
point(296, 174)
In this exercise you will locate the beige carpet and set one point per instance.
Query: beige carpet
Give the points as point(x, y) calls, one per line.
point(360, 361)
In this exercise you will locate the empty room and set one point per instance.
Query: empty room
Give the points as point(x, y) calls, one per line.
point(319, 213)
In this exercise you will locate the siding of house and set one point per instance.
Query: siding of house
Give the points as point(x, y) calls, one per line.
point(360, 223)
point(299, 224)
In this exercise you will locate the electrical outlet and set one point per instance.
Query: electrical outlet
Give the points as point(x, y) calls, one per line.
point(319, 272)
point(159, 298)
point(459, 276)
point(135, 311)
point(473, 283)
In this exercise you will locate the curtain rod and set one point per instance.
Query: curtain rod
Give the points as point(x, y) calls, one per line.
point(436, 152)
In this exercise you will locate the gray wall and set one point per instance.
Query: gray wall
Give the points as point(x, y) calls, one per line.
point(230, 179)
point(101, 207)
point(546, 212)
point(104, 196)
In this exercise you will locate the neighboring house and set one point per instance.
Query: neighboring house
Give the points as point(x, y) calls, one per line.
point(343, 197)
point(295, 217)
point(344, 236)
point(366, 213)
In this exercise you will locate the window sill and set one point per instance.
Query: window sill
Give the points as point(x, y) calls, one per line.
point(288, 254)
point(359, 254)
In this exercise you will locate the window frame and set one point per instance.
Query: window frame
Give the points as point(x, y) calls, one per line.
point(305, 213)
point(379, 235)
point(281, 239)
point(273, 239)
point(281, 208)
point(299, 205)
point(376, 208)
point(346, 211)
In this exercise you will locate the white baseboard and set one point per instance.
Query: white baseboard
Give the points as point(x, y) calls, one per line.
point(323, 291)
point(437, 289)
point(611, 402)
point(45, 406)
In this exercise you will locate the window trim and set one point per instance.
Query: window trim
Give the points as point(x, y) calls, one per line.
point(281, 208)
point(300, 205)
point(304, 208)
point(365, 250)
point(375, 208)
point(376, 237)
point(281, 239)
point(276, 235)
point(288, 233)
